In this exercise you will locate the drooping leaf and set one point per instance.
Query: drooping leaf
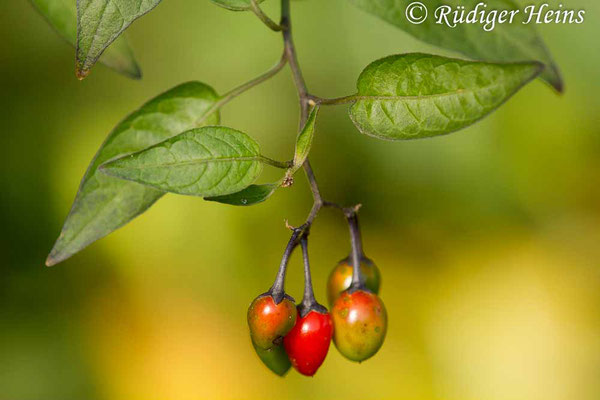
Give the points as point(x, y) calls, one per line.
point(509, 42)
point(305, 138)
point(105, 203)
point(62, 16)
point(414, 96)
point(207, 162)
point(100, 22)
point(250, 196)
point(235, 5)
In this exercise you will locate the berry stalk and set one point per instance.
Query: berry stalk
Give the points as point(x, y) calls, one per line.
point(358, 280)
point(277, 290)
point(308, 303)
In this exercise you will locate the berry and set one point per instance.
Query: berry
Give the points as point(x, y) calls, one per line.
point(360, 322)
point(269, 321)
point(340, 278)
point(308, 342)
point(274, 358)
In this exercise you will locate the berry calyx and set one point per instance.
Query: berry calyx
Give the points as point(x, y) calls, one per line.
point(360, 322)
point(308, 342)
point(269, 321)
point(275, 358)
point(340, 277)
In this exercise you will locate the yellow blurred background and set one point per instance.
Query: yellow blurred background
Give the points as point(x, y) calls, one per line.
point(487, 239)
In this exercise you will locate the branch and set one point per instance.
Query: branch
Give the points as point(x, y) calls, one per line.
point(305, 101)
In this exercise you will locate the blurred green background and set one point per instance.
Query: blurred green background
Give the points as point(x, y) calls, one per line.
point(488, 239)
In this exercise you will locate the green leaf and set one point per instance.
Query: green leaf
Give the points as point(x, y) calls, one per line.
point(235, 5)
point(250, 196)
point(209, 161)
point(305, 138)
point(414, 96)
point(62, 16)
point(100, 22)
point(104, 203)
point(505, 43)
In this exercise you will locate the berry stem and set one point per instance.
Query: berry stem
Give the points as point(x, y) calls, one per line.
point(358, 280)
point(309, 303)
point(277, 291)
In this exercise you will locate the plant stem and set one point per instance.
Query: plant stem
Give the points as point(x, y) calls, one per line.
point(264, 17)
point(305, 101)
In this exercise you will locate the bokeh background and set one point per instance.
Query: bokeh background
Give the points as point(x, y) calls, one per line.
point(488, 239)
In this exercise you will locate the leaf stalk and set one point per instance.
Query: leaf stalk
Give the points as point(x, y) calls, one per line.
point(264, 17)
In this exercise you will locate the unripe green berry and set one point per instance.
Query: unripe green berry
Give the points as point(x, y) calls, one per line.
point(360, 324)
point(340, 278)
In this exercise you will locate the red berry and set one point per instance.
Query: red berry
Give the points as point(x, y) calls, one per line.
point(308, 342)
point(269, 321)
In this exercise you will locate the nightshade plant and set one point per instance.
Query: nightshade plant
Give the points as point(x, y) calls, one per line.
point(175, 143)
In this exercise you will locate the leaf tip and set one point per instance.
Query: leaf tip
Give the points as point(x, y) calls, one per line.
point(53, 259)
point(136, 72)
point(57, 254)
point(81, 74)
point(558, 83)
point(551, 75)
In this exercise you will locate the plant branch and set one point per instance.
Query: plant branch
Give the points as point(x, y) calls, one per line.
point(305, 102)
point(264, 17)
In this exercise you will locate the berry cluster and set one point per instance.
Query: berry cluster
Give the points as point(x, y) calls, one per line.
point(286, 335)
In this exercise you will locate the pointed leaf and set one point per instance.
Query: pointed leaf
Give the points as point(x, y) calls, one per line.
point(104, 203)
point(235, 5)
point(62, 16)
point(100, 22)
point(414, 96)
point(250, 196)
point(209, 161)
point(305, 138)
point(505, 43)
